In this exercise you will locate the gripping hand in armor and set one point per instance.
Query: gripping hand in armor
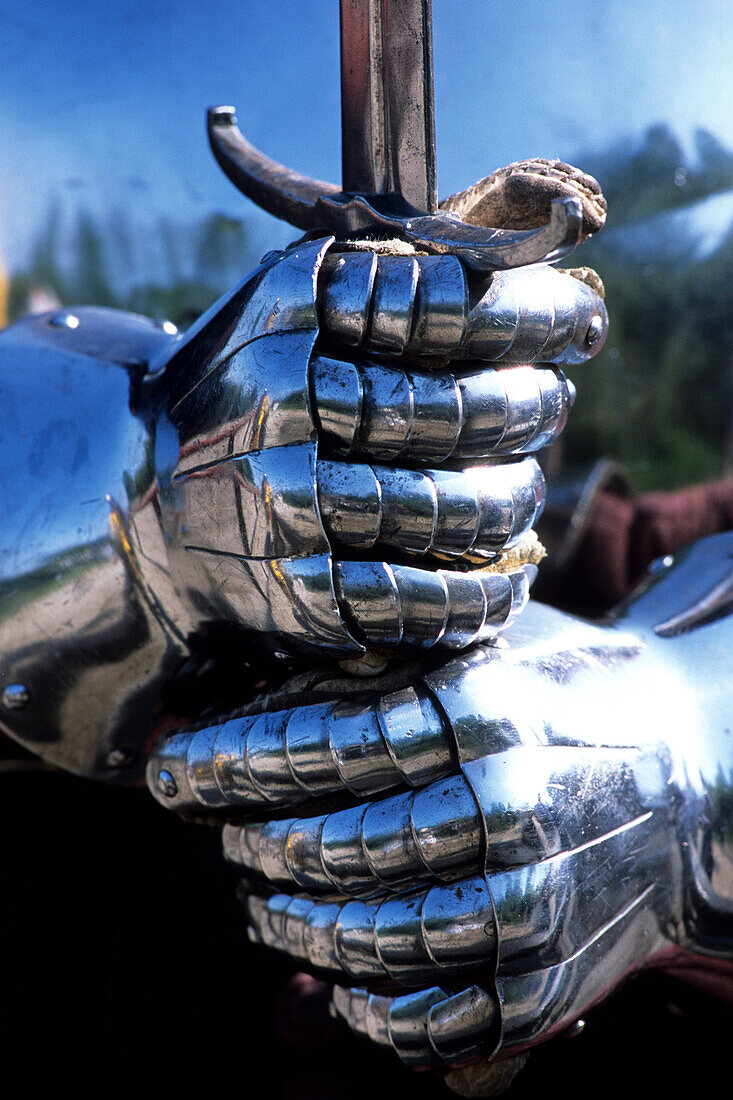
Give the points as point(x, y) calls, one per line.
point(345, 454)
point(479, 853)
point(337, 458)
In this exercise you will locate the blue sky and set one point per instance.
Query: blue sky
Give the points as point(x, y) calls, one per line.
point(103, 102)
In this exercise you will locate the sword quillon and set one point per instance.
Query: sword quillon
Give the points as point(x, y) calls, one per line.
point(317, 206)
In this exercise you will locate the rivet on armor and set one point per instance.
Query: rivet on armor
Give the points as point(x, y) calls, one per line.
point(65, 320)
point(660, 565)
point(574, 1030)
point(595, 331)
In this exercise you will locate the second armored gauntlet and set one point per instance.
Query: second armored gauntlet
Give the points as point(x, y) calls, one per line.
point(477, 855)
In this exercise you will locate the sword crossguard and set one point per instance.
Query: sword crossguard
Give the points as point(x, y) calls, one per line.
point(314, 205)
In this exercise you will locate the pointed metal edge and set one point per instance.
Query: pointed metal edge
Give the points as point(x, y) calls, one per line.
point(273, 187)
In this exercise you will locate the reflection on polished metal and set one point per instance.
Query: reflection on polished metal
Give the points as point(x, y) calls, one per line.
point(182, 484)
point(481, 509)
point(556, 812)
point(447, 1026)
point(430, 305)
point(64, 320)
point(252, 515)
point(390, 413)
point(16, 696)
point(80, 630)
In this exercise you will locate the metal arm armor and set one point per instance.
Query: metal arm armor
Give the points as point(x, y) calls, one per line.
point(85, 642)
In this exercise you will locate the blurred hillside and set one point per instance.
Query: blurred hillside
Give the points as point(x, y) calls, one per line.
point(175, 271)
point(659, 397)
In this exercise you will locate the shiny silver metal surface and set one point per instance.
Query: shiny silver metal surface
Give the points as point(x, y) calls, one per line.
point(387, 111)
point(431, 306)
point(201, 480)
point(555, 816)
point(264, 532)
point(81, 632)
point(178, 483)
point(389, 412)
point(480, 509)
point(431, 825)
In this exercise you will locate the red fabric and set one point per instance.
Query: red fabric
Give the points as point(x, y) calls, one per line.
point(664, 522)
point(712, 976)
point(600, 572)
point(625, 536)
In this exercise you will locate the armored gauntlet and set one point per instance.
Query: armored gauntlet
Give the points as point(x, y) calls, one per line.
point(479, 853)
point(336, 458)
point(345, 447)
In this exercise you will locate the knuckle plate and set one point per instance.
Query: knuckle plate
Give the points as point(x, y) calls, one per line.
point(394, 303)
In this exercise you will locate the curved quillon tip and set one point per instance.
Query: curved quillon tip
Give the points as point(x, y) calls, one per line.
point(314, 204)
point(277, 189)
point(497, 249)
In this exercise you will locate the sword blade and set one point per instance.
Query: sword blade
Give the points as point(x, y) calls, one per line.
point(387, 108)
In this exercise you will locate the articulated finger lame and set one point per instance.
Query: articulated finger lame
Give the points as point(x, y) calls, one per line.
point(266, 525)
point(483, 509)
point(541, 935)
point(432, 1027)
point(387, 412)
point(438, 833)
point(437, 932)
point(433, 833)
point(403, 605)
point(430, 306)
